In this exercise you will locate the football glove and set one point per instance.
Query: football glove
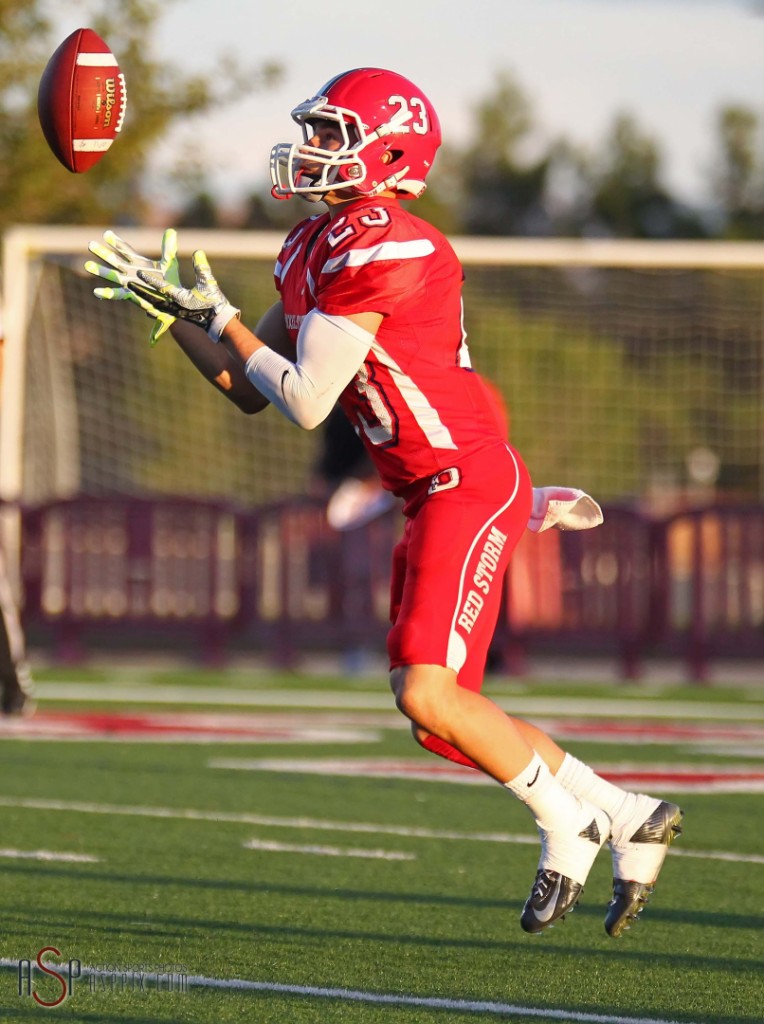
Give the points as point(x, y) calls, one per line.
point(203, 305)
point(161, 297)
point(123, 259)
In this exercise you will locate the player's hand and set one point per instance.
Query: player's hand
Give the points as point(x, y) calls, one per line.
point(123, 259)
point(204, 305)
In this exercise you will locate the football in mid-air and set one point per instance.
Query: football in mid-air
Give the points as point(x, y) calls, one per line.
point(81, 100)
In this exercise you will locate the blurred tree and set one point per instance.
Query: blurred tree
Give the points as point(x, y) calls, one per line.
point(568, 194)
point(264, 213)
point(502, 187)
point(201, 211)
point(258, 213)
point(739, 177)
point(34, 187)
point(629, 199)
point(200, 208)
point(508, 181)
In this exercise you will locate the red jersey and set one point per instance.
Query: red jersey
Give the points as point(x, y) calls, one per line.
point(416, 402)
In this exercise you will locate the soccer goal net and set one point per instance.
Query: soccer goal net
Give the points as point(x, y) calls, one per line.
point(628, 368)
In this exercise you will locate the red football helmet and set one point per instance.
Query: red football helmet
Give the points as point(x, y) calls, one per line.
point(378, 113)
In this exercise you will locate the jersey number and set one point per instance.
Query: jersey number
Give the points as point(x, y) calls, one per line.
point(375, 217)
point(380, 422)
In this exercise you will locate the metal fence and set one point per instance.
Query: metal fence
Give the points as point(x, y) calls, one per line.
point(209, 578)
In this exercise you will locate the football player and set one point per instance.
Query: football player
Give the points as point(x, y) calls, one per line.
point(370, 315)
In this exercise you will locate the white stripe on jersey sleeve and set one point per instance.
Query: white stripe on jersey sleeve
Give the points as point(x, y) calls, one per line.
point(310, 282)
point(411, 250)
point(281, 271)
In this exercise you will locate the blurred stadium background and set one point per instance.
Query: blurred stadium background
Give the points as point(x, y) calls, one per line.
point(621, 316)
point(139, 504)
point(225, 797)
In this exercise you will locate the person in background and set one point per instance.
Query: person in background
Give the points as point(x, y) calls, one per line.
point(15, 676)
point(345, 477)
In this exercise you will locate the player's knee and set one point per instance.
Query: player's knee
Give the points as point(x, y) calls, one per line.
point(398, 684)
point(421, 693)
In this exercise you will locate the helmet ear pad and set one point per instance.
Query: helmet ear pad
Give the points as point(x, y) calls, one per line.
point(380, 157)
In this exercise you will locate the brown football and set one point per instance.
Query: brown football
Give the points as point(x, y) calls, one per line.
point(81, 100)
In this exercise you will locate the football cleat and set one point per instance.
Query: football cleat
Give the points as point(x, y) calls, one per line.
point(563, 868)
point(639, 846)
point(552, 897)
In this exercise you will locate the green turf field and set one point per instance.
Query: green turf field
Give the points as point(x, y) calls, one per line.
point(281, 881)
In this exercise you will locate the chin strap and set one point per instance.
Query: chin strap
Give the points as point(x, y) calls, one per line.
point(566, 508)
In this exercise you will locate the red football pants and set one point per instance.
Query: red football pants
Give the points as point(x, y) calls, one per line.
point(448, 569)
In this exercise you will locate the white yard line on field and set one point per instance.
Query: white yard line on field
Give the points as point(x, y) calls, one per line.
point(491, 1007)
point(318, 824)
point(358, 827)
point(270, 846)
point(428, 1002)
point(371, 701)
point(737, 858)
point(677, 778)
point(67, 858)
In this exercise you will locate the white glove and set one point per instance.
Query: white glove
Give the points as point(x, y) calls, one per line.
point(160, 296)
point(127, 262)
point(566, 508)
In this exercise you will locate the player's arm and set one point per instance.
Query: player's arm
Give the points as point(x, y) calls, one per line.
point(221, 368)
point(214, 362)
point(330, 350)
